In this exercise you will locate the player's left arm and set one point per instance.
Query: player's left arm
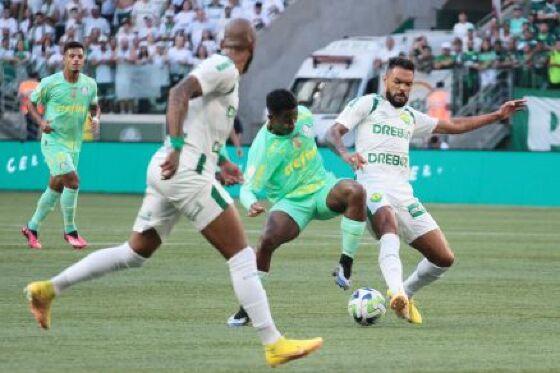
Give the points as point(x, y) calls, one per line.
point(229, 173)
point(467, 124)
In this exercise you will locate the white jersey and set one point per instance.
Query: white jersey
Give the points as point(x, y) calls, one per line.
point(209, 120)
point(383, 135)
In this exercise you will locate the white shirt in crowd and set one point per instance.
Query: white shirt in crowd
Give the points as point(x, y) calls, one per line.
point(99, 22)
point(103, 71)
point(37, 32)
point(10, 24)
point(178, 58)
point(460, 29)
point(144, 9)
point(183, 20)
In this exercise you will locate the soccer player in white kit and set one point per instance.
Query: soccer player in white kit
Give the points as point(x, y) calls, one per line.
point(384, 127)
point(181, 182)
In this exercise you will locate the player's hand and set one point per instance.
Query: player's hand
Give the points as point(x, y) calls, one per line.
point(46, 126)
point(230, 174)
point(94, 124)
point(510, 107)
point(256, 209)
point(170, 165)
point(355, 160)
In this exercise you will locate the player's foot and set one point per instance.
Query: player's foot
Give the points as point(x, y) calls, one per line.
point(239, 319)
point(32, 238)
point(414, 314)
point(75, 240)
point(285, 350)
point(339, 279)
point(40, 295)
point(400, 304)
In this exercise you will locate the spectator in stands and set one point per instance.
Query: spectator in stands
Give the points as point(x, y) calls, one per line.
point(237, 10)
point(160, 57)
point(445, 60)
point(167, 27)
point(49, 9)
point(26, 23)
point(460, 29)
point(526, 39)
point(554, 66)
point(123, 11)
point(143, 56)
point(6, 52)
point(505, 33)
point(75, 21)
point(8, 22)
point(425, 61)
point(197, 27)
point(108, 10)
point(457, 51)
point(544, 35)
point(548, 14)
point(55, 61)
point(125, 32)
point(388, 52)
point(184, 18)
point(103, 59)
point(180, 59)
point(142, 10)
point(516, 23)
point(200, 55)
point(258, 17)
point(471, 36)
point(222, 23)
point(539, 61)
point(209, 42)
point(40, 29)
point(486, 64)
point(215, 11)
point(21, 55)
point(437, 142)
point(513, 54)
point(95, 21)
point(148, 29)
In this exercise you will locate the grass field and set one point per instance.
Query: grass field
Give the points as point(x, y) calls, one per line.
point(497, 309)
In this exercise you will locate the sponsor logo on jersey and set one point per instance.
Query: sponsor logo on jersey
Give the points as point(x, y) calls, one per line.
point(301, 161)
point(385, 129)
point(388, 159)
point(406, 118)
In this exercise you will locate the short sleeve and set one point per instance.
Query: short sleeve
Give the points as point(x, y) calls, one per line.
point(423, 124)
point(217, 74)
point(357, 110)
point(39, 94)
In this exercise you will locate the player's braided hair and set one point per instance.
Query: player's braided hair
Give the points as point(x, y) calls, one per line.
point(280, 100)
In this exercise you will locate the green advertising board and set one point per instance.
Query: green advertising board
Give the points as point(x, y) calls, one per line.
point(472, 177)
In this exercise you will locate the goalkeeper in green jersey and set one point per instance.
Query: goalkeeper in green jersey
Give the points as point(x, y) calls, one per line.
point(69, 98)
point(285, 167)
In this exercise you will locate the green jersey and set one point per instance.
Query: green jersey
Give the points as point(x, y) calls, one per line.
point(288, 166)
point(66, 107)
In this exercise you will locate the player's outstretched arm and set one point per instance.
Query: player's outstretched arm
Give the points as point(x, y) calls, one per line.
point(177, 107)
point(334, 140)
point(467, 124)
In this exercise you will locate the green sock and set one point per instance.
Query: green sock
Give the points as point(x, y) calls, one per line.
point(68, 206)
point(352, 232)
point(46, 204)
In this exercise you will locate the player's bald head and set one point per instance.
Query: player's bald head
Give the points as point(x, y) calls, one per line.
point(239, 34)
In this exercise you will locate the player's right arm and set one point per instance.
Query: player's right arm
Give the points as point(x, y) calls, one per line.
point(39, 96)
point(255, 176)
point(356, 111)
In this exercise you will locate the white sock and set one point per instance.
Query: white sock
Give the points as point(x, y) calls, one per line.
point(250, 293)
point(96, 265)
point(390, 262)
point(425, 273)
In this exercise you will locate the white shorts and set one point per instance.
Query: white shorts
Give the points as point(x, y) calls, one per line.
point(412, 218)
point(197, 196)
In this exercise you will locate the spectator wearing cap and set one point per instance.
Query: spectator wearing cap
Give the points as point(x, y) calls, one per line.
point(460, 28)
point(517, 21)
point(141, 10)
point(8, 22)
point(167, 27)
point(258, 17)
point(98, 22)
point(445, 60)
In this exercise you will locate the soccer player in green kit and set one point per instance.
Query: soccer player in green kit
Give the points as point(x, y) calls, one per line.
point(69, 97)
point(285, 166)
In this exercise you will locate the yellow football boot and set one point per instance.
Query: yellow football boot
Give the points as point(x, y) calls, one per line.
point(415, 316)
point(40, 295)
point(285, 350)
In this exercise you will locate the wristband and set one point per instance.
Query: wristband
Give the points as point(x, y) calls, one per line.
point(177, 142)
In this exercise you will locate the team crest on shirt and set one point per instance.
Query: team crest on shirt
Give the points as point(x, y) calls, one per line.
point(85, 91)
point(406, 118)
point(231, 112)
point(376, 197)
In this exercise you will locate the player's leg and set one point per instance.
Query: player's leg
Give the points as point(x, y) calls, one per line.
point(348, 198)
point(219, 222)
point(69, 200)
point(279, 228)
point(438, 258)
point(45, 205)
point(154, 222)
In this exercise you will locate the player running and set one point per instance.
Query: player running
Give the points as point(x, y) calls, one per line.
point(181, 182)
point(69, 97)
point(285, 166)
point(384, 127)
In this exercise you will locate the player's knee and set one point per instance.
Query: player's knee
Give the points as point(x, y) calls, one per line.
point(356, 193)
point(269, 242)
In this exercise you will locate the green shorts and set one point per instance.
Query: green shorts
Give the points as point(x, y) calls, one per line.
point(310, 207)
point(59, 158)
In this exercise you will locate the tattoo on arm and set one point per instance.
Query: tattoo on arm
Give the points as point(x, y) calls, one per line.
point(178, 103)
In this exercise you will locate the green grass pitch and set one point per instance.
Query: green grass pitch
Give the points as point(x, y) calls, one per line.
point(498, 309)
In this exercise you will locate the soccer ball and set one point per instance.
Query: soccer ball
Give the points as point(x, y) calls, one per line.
point(366, 306)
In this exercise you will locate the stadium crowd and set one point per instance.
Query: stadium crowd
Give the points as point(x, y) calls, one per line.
point(172, 35)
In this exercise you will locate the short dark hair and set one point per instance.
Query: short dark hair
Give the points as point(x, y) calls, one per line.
point(403, 63)
point(72, 44)
point(280, 100)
